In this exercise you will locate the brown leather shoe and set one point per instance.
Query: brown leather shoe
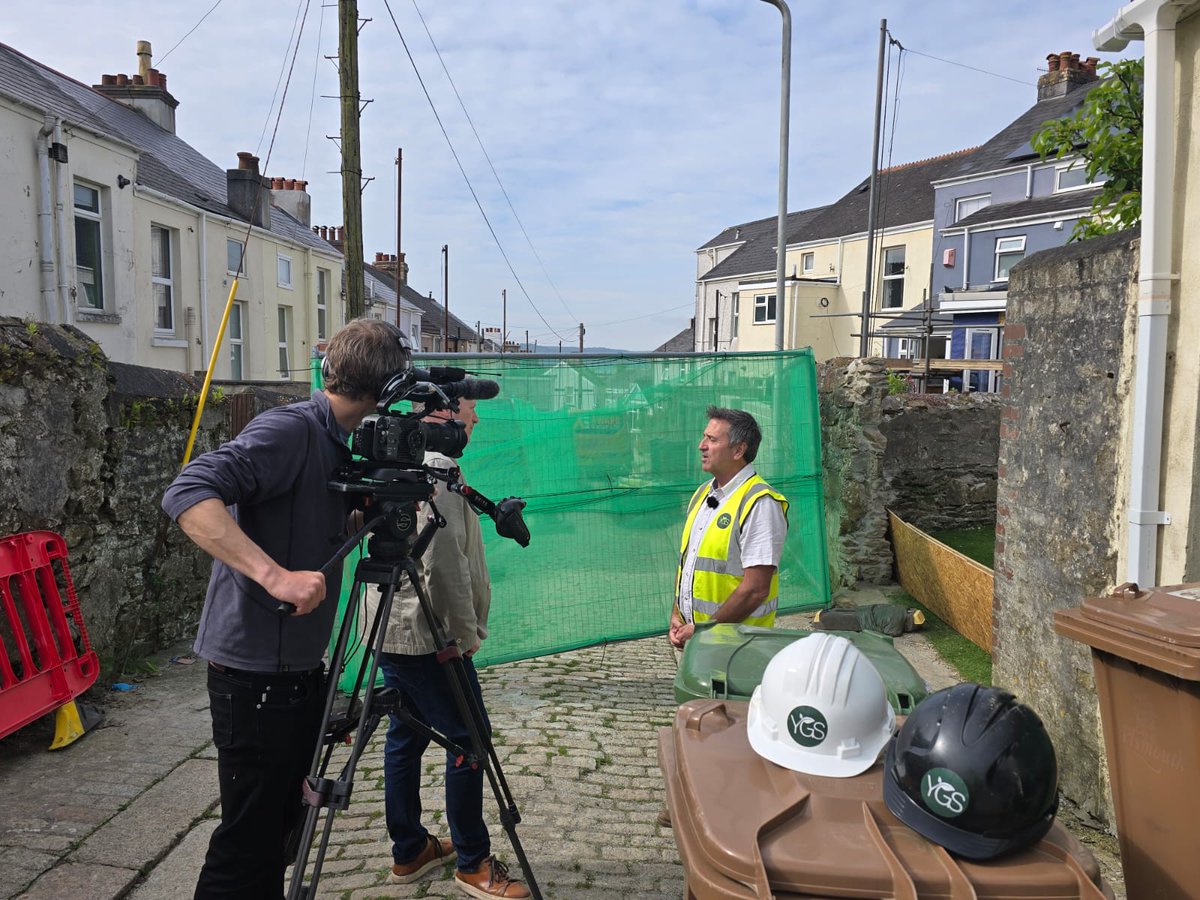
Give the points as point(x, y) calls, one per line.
point(436, 853)
point(489, 880)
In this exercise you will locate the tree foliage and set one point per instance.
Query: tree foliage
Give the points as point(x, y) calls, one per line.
point(1106, 134)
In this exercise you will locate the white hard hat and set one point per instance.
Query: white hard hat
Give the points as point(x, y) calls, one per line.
point(821, 709)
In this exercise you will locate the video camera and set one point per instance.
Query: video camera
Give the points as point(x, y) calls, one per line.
point(391, 448)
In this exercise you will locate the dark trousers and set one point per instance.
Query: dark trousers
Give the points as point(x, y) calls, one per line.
point(265, 729)
point(424, 687)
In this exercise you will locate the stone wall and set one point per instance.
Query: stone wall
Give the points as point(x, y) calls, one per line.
point(86, 449)
point(1067, 380)
point(929, 458)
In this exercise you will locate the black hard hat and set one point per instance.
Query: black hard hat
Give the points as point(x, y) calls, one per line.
point(974, 771)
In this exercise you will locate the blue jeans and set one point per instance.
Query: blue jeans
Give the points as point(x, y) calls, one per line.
point(424, 686)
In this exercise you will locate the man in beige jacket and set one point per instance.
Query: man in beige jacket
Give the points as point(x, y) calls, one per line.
point(455, 576)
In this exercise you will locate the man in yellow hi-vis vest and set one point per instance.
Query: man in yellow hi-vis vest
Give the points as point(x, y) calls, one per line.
point(733, 535)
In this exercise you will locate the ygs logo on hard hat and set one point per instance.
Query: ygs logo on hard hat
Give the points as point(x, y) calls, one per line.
point(807, 726)
point(944, 793)
point(723, 520)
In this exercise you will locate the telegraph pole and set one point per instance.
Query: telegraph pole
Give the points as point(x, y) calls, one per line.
point(864, 338)
point(446, 296)
point(503, 318)
point(582, 332)
point(399, 246)
point(352, 246)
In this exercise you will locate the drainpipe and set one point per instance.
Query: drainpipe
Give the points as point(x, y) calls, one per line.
point(1029, 181)
point(1151, 21)
point(46, 224)
point(63, 208)
point(203, 240)
point(966, 256)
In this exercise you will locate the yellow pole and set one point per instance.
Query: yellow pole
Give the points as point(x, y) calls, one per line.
point(212, 362)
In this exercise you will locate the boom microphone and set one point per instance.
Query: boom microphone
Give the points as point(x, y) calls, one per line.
point(438, 374)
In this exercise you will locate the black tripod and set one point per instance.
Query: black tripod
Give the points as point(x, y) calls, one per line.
point(391, 553)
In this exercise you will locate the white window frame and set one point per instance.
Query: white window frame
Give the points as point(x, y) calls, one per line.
point(990, 379)
point(736, 300)
point(164, 281)
point(886, 278)
point(94, 218)
point(241, 252)
point(807, 261)
point(280, 260)
point(284, 318)
point(1015, 243)
point(1077, 165)
point(973, 203)
point(764, 309)
point(236, 335)
point(324, 282)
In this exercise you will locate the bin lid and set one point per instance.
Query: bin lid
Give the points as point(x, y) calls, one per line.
point(785, 833)
point(1171, 614)
point(1158, 628)
point(725, 660)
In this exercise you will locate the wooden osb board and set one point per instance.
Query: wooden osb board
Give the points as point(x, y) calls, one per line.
point(955, 587)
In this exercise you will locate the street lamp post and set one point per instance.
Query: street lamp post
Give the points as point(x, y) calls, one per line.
point(784, 106)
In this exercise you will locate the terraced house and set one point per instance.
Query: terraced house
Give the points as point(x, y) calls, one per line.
point(115, 224)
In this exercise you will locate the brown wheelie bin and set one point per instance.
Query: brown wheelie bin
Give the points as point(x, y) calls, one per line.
point(1146, 656)
point(747, 828)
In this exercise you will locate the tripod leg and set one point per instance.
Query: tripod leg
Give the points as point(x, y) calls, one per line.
point(472, 716)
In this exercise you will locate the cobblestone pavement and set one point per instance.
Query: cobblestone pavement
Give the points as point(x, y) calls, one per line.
point(126, 812)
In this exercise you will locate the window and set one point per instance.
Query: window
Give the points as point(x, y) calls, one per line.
point(964, 206)
point(736, 303)
point(322, 304)
point(764, 309)
point(1072, 177)
point(806, 262)
point(236, 341)
point(161, 279)
point(285, 339)
point(1009, 252)
point(284, 268)
point(89, 248)
point(893, 278)
point(233, 257)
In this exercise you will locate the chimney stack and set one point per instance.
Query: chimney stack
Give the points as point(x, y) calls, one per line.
point(1065, 73)
point(291, 195)
point(145, 92)
point(397, 268)
point(249, 194)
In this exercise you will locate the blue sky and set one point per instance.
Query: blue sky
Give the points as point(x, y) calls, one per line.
point(626, 133)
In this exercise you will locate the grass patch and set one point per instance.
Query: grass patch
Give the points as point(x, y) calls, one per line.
point(972, 663)
point(977, 543)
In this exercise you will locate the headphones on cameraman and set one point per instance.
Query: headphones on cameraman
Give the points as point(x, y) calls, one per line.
point(392, 382)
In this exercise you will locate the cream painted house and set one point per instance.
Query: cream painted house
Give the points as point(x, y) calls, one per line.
point(825, 269)
point(114, 224)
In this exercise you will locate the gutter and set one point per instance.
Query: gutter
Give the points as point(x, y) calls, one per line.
point(1151, 21)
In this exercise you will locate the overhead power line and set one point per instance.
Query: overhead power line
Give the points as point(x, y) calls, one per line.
point(972, 68)
point(163, 58)
point(466, 178)
point(478, 139)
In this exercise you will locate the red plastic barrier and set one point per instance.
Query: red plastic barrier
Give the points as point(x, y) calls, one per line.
point(46, 659)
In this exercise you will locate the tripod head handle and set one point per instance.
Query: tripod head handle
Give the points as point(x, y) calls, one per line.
point(283, 610)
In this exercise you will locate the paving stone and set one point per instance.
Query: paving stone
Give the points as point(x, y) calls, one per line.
point(155, 821)
point(175, 875)
point(73, 879)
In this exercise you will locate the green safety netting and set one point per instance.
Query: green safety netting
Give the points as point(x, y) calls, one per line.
point(604, 449)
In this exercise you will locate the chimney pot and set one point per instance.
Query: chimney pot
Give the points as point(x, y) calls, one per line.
point(153, 78)
point(316, 229)
point(1052, 62)
point(301, 185)
point(277, 184)
point(162, 81)
point(108, 79)
point(122, 79)
point(324, 232)
point(289, 184)
point(378, 257)
point(138, 79)
point(245, 160)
